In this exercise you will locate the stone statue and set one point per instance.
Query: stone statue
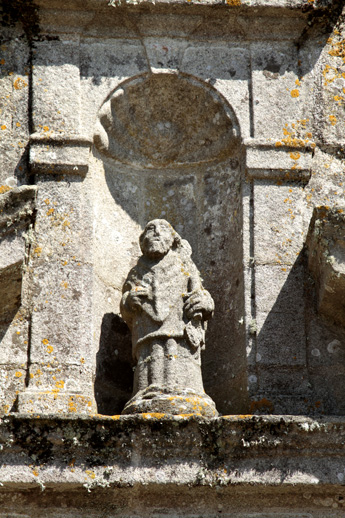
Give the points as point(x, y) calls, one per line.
point(166, 309)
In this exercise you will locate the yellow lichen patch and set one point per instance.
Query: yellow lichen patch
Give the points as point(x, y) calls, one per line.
point(35, 472)
point(50, 349)
point(18, 124)
point(153, 415)
point(339, 99)
point(234, 3)
point(297, 135)
point(18, 374)
point(19, 84)
point(294, 93)
point(333, 120)
point(60, 384)
point(38, 251)
point(50, 212)
point(3, 127)
point(82, 360)
point(71, 405)
point(4, 188)
point(47, 201)
point(64, 285)
point(45, 128)
point(90, 473)
point(295, 156)
point(45, 341)
point(338, 49)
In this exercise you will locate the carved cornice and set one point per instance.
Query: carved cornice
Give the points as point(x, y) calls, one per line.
point(290, 451)
point(268, 161)
point(272, 19)
point(58, 154)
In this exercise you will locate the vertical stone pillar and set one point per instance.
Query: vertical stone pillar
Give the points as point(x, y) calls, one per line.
point(60, 364)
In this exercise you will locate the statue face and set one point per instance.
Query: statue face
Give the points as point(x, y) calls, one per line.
point(157, 239)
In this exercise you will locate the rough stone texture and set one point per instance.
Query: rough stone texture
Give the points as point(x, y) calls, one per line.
point(17, 213)
point(245, 136)
point(177, 466)
point(326, 261)
point(233, 117)
point(167, 308)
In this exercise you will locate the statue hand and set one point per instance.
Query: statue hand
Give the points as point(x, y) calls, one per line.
point(136, 296)
point(201, 302)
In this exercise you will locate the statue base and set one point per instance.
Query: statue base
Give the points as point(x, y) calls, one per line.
point(156, 400)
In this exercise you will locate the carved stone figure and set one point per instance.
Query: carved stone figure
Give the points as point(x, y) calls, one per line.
point(166, 309)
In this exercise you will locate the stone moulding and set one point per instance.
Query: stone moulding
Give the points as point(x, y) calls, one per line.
point(58, 154)
point(254, 4)
point(265, 160)
point(122, 451)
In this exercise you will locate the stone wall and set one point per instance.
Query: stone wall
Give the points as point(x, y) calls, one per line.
point(226, 119)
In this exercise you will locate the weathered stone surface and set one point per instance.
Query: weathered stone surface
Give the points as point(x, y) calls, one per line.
point(96, 464)
point(166, 308)
point(190, 72)
point(278, 96)
point(326, 261)
point(180, 122)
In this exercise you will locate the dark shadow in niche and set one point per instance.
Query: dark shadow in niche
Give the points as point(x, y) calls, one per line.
point(301, 362)
point(114, 366)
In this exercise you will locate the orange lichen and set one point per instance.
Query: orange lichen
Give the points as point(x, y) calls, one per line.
point(153, 415)
point(333, 120)
point(4, 188)
point(338, 49)
point(19, 84)
point(297, 136)
point(3, 127)
point(294, 93)
point(50, 349)
point(295, 156)
point(18, 374)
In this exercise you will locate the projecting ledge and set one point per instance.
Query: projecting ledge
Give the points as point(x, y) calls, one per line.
point(122, 451)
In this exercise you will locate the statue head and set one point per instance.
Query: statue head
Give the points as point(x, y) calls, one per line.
point(158, 238)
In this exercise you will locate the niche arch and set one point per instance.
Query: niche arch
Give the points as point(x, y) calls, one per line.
point(168, 146)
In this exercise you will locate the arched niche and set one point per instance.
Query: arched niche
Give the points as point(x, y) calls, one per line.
point(168, 146)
